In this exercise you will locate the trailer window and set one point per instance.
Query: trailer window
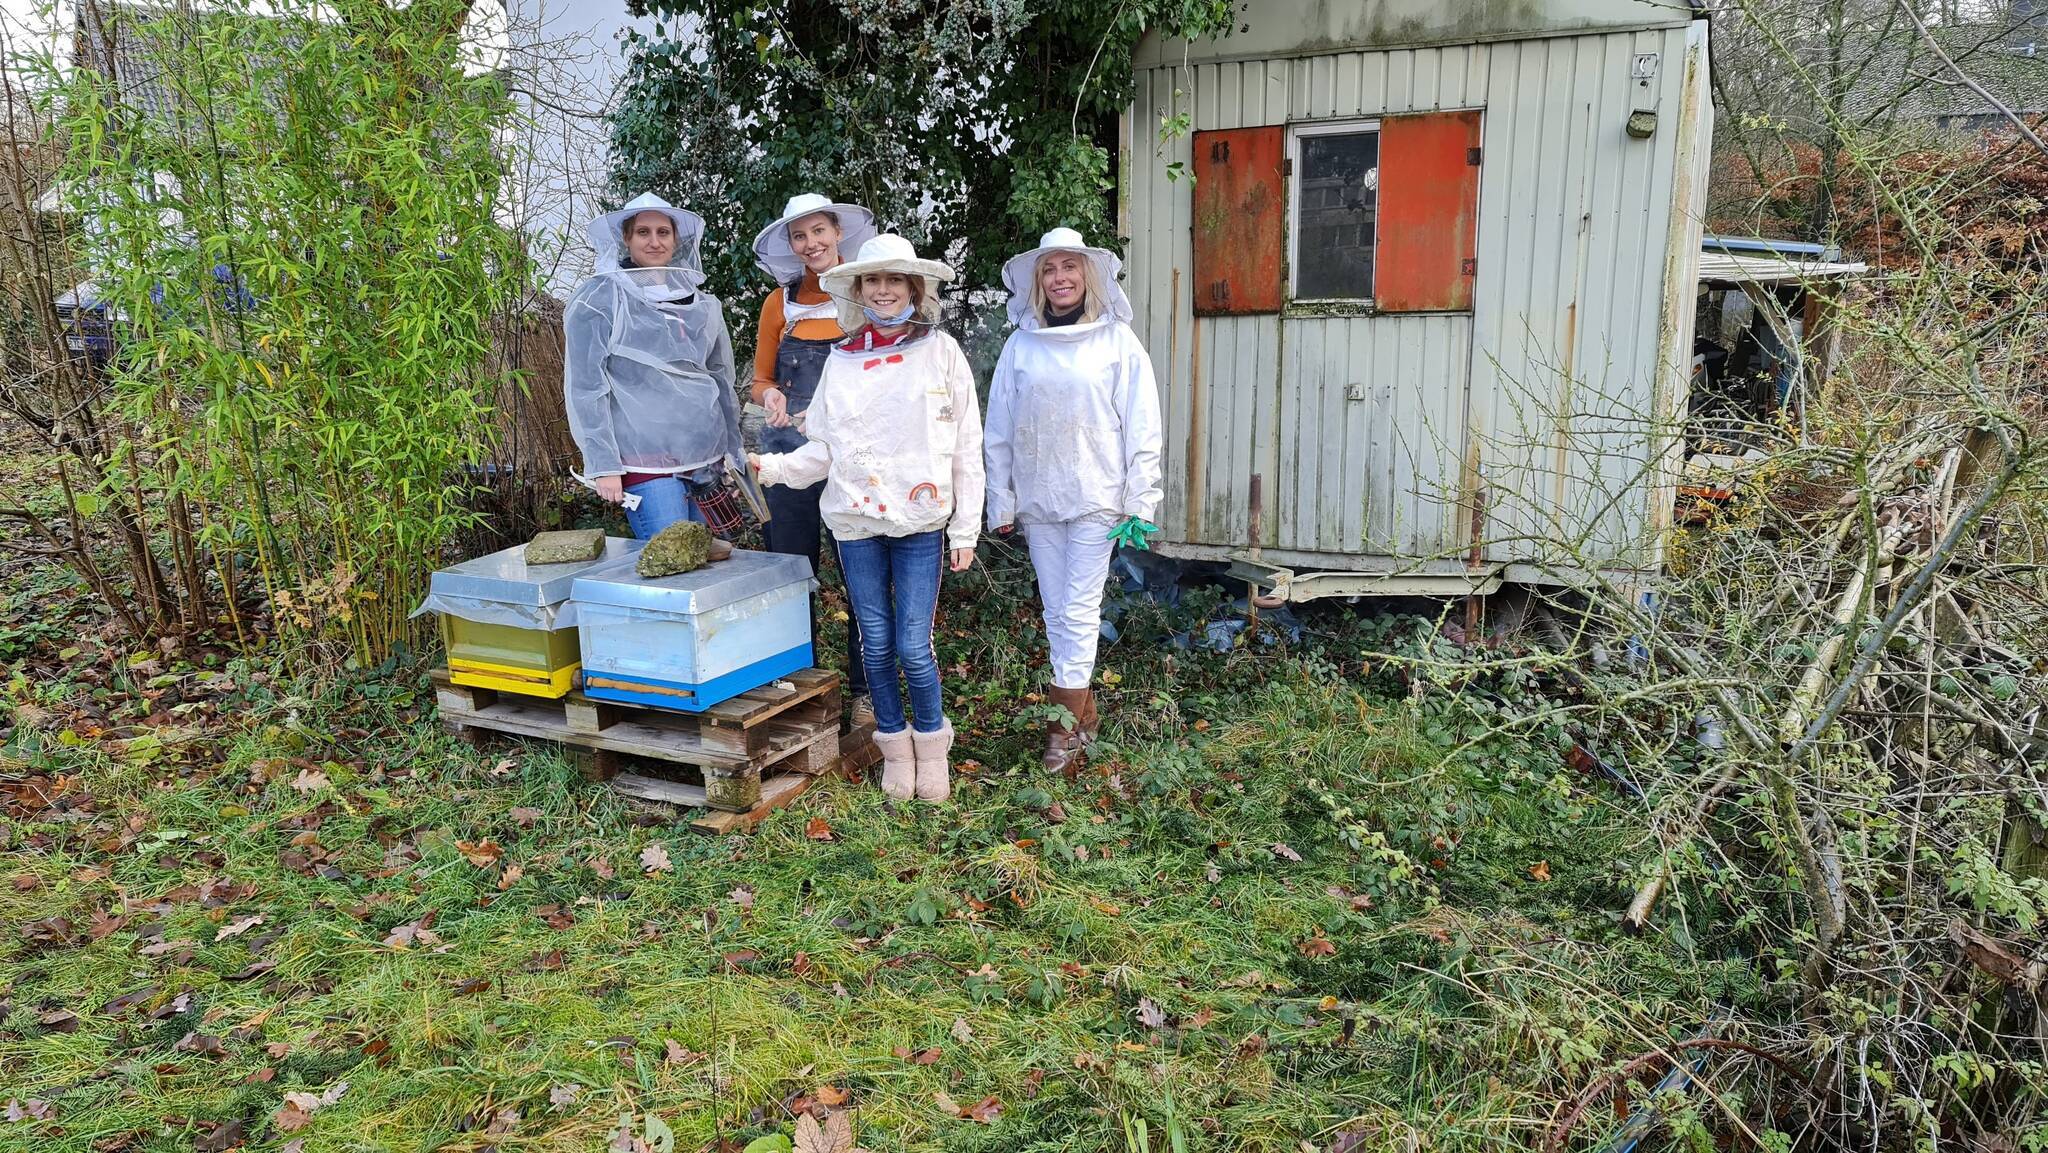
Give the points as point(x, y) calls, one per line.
point(1336, 210)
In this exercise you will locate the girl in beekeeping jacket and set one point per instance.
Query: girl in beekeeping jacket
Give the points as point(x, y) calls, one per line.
point(1073, 453)
point(799, 325)
point(648, 372)
point(895, 433)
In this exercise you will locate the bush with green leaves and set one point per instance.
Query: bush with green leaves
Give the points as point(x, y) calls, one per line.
point(294, 219)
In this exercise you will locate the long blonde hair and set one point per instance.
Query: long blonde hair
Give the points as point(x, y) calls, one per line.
point(1094, 293)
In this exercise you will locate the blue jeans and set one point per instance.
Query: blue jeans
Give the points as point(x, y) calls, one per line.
point(893, 582)
point(663, 502)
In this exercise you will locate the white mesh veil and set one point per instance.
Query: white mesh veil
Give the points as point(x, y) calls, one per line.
point(648, 365)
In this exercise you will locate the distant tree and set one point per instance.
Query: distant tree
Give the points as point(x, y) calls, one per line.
point(969, 125)
point(1795, 84)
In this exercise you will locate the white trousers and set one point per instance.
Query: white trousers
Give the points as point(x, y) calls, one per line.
point(1072, 560)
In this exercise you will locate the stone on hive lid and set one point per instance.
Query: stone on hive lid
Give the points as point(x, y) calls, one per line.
point(681, 547)
point(566, 546)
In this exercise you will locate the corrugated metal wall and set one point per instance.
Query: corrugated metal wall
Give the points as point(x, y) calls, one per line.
point(1360, 425)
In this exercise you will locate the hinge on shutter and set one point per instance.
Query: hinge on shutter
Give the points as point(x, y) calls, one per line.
point(1472, 157)
point(1470, 267)
point(1220, 152)
point(1287, 167)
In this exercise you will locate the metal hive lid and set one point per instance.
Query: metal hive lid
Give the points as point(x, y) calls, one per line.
point(747, 573)
point(506, 578)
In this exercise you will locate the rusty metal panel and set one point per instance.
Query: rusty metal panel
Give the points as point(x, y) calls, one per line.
point(1428, 212)
point(1240, 220)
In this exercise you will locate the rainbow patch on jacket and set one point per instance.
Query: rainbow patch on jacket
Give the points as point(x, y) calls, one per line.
point(926, 495)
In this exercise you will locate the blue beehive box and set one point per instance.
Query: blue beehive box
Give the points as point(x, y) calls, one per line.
point(688, 641)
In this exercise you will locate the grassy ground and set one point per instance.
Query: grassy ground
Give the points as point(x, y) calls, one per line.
point(1277, 912)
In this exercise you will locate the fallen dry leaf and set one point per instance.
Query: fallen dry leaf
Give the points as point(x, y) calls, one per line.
point(1283, 849)
point(414, 932)
point(1540, 870)
point(603, 868)
point(1150, 1014)
point(204, 1044)
point(833, 1135)
point(961, 1031)
point(831, 1096)
point(654, 859)
point(525, 819)
point(818, 829)
point(483, 854)
point(237, 928)
point(984, 1111)
point(742, 896)
point(510, 877)
point(33, 1109)
point(224, 1136)
point(297, 1111)
point(1316, 947)
point(310, 780)
point(921, 1057)
point(677, 1055)
point(563, 1096)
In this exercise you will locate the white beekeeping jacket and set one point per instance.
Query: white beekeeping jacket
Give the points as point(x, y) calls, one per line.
point(647, 365)
point(1073, 421)
point(895, 434)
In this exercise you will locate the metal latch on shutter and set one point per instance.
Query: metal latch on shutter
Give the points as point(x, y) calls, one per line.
point(1472, 157)
point(1470, 267)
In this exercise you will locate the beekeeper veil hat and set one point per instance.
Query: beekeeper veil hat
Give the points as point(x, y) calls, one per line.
point(685, 268)
point(772, 250)
point(1020, 275)
point(885, 253)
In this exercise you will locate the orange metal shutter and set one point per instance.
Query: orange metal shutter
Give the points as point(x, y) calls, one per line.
point(1240, 220)
point(1428, 212)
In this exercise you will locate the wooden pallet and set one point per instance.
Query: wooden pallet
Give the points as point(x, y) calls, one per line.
point(750, 755)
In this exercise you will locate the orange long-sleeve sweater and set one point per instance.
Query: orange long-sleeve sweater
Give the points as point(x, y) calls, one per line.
point(770, 331)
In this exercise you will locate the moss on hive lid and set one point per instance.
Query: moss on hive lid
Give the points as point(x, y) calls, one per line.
point(566, 546)
point(681, 547)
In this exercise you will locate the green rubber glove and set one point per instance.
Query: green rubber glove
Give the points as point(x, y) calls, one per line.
point(1132, 532)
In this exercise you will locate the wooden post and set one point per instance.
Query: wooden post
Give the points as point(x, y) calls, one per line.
point(1475, 560)
point(1258, 533)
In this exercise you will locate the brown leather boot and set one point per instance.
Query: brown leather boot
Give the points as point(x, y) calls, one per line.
point(1089, 718)
point(1064, 739)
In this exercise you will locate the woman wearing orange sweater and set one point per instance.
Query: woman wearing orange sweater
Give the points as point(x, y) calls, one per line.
point(799, 325)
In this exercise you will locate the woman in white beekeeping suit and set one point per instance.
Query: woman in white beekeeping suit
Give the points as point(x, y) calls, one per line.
point(1073, 453)
point(648, 372)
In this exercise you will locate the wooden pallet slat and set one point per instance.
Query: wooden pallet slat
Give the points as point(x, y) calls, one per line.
point(753, 757)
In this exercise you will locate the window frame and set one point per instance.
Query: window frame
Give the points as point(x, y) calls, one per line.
point(1296, 133)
